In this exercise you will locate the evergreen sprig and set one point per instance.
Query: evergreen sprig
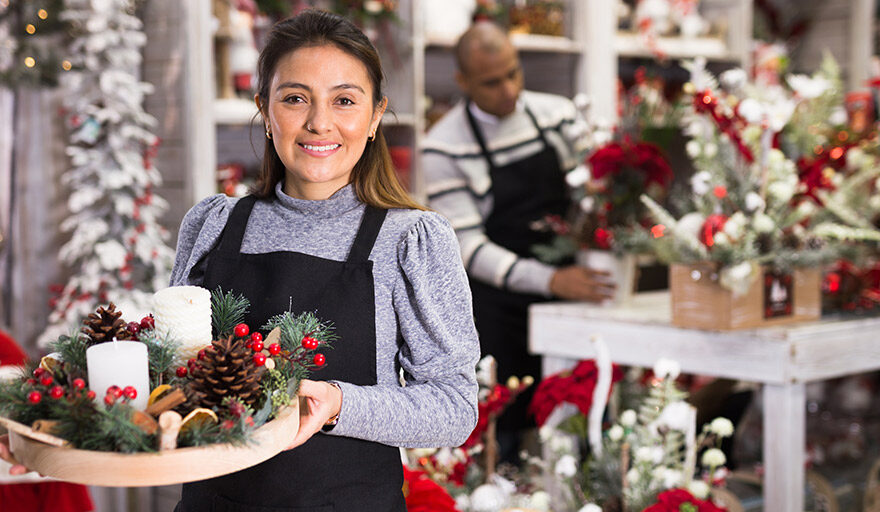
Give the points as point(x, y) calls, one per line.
point(162, 354)
point(71, 349)
point(295, 328)
point(227, 311)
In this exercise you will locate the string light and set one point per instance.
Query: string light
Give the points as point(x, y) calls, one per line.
point(30, 62)
point(43, 14)
point(66, 65)
point(30, 29)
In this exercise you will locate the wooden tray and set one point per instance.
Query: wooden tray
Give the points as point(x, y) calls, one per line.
point(112, 469)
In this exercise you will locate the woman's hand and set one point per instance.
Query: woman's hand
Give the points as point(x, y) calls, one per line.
point(581, 283)
point(323, 401)
point(6, 454)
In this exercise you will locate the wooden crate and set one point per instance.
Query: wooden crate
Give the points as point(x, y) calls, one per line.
point(700, 302)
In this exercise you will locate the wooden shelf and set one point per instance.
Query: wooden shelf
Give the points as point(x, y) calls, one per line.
point(523, 42)
point(399, 119)
point(630, 44)
point(234, 111)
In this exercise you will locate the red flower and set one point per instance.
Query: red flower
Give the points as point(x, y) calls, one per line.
point(713, 224)
point(603, 238)
point(494, 404)
point(575, 387)
point(425, 495)
point(673, 500)
point(611, 159)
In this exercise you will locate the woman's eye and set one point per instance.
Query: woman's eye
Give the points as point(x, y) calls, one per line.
point(346, 101)
point(293, 99)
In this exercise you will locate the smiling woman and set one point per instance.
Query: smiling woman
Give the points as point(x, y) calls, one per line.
point(330, 230)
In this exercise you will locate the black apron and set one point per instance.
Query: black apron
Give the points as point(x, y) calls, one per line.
point(326, 473)
point(523, 192)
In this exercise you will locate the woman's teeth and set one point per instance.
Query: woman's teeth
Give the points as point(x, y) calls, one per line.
point(321, 148)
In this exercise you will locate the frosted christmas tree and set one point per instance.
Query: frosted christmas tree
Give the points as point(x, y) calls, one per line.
point(117, 248)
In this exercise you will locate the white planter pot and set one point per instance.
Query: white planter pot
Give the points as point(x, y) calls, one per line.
point(621, 269)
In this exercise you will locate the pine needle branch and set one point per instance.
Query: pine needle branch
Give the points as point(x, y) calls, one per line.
point(227, 311)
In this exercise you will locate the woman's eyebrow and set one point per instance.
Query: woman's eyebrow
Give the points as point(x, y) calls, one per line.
point(297, 85)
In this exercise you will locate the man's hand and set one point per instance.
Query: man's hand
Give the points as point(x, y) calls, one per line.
point(581, 283)
point(5, 454)
point(323, 401)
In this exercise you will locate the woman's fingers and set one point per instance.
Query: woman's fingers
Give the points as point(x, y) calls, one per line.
point(6, 454)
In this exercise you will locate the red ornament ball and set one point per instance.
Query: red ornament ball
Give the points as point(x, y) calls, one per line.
point(181, 371)
point(202, 355)
point(319, 359)
point(259, 358)
point(115, 391)
point(46, 380)
point(133, 327)
point(130, 392)
point(191, 362)
point(91, 395)
point(34, 397)
point(257, 346)
point(78, 384)
point(148, 322)
point(242, 330)
point(256, 336)
point(274, 349)
point(309, 343)
point(38, 372)
point(56, 392)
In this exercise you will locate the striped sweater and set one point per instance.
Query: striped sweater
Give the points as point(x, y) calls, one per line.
point(458, 184)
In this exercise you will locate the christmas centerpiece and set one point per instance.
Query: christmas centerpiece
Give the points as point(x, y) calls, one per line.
point(747, 247)
point(165, 400)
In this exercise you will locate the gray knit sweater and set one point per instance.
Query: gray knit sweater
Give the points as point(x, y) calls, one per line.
point(424, 322)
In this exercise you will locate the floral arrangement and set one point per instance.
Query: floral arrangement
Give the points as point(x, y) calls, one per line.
point(749, 205)
point(644, 454)
point(546, 17)
point(644, 106)
point(232, 386)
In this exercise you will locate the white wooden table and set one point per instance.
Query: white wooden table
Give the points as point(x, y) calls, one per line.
point(782, 359)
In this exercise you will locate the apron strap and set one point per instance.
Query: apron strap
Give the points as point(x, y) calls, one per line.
point(233, 233)
point(371, 223)
point(537, 126)
point(478, 134)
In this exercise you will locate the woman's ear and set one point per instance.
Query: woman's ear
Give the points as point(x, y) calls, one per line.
point(378, 113)
point(259, 104)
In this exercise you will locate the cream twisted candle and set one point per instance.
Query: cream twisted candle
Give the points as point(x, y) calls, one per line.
point(184, 312)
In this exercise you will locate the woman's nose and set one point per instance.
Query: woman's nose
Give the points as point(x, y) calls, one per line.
point(319, 120)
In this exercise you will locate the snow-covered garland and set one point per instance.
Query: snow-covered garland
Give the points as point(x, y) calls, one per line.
point(117, 247)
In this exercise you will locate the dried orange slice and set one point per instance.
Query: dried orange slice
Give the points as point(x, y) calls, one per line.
point(197, 416)
point(157, 393)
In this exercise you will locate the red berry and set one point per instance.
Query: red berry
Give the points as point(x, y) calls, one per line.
point(256, 336)
point(274, 349)
point(133, 327)
point(114, 390)
point(181, 371)
point(309, 343)
point(38, 372)
point(56, 392)
point(109, 399)
point(148, 322)
point(192, 362)
point(202, 355)
point(259, 358)
point(130, 392)
point(228, 424)
point(46, 380)
point(91, 395)
point(34, 397)
point(257, 346)
point(78, 384)
point(319, 360)
point(32, 382)
point(242, 330)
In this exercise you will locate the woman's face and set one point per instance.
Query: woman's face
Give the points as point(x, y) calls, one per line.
point(320, 113)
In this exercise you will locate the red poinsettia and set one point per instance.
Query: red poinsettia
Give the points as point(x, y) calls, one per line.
point(644, 157)
point(425, 495)
point(813, 171)
point(680, 500)
point(497, 400)
point(711, 226)
point(575, 387)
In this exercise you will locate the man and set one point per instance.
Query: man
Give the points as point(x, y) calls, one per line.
point(494, 166)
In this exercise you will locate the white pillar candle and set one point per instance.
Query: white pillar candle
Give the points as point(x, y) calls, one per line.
point(184, 313)
point(119, 363)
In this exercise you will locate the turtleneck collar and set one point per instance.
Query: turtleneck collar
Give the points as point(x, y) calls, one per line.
point(342, 201)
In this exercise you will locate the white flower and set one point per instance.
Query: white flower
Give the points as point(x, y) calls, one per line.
point(690, 224)
point(855, 158)
point(669, 477)
point(738, 278)
point(373, 6)
point(782, 190)
point(578, 176)
point(488, 498)
point(699, 489)
point(676, 416)
point(775, 157)
point(445, 458)
point(751, 110)
point(721, 427)
point(111, 254)
point(540, 500)
point(546, 433)
point(563, 443)
point(693, 148)
point(753, 202)
point(721, 239)
point(874, 202)
point(463, 502)
point(700, 182)
point(838, 116)
point(763, 223)
point(808, 87)
point(590, 507)
point(628, 418)
point(710, 149)
point(484, 370)
point(650, 454)
point(632, 476)
point(735, 226)
point(422, 452)
point(587, 204)
point(779, 113)
point(664, 368)
point(713, 457)
point(566, 466)
point(733, 78)
point(615, 433)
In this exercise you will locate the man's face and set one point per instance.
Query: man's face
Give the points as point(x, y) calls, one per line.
point(493, 80)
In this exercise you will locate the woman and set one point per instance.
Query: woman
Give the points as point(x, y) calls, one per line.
point(330, 230)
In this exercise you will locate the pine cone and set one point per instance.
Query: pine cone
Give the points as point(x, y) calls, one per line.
point(105, 324)
point(227, 370)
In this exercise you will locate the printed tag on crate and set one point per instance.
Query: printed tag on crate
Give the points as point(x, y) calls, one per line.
point(777, 294)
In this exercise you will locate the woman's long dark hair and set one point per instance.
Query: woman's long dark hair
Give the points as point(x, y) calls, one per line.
point(373, 175)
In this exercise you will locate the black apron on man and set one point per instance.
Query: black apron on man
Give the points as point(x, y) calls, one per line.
point(523, 192)
point(326, 473)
